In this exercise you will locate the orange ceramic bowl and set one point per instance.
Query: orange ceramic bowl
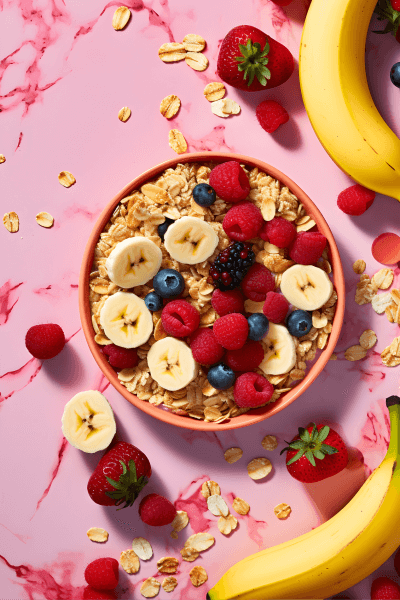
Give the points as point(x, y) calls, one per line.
point(255, 415)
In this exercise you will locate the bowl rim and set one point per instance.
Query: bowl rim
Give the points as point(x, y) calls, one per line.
point(255, 415)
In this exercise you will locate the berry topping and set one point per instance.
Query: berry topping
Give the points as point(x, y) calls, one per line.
point(271, 114)
point(156, 510)
point(280, 232)
point(121, 358)
point(231, 265)
point(243, 221)
point(247, 358)
point(204, 194)
point(307, 248)
point(258, 282)
point(205, 348)
point(299, 323)
point(221, 377)
point(384, 588)
point(231, 331)
point(258, 326)
point(252, 390)
point(90, 593)
point(355, 200)
point(102, 574)
point(179, 318)
point(168, 283)
point(161, 229)
point(45, 341)
point(224, 303)
point(275, 307)
point(230, 181)
point(153, 301)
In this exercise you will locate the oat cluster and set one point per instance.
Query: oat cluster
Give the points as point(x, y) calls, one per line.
point(189, 50)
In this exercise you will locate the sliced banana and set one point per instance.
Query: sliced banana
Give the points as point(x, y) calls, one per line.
point(126, 320)
point(171, 364)
point(280, 352)
point(133, 262)
point(88, 421)
point(306, 286)
point(190, 240)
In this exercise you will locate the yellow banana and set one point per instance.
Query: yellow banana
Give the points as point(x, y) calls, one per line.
point(337, 98)
point(335, 555)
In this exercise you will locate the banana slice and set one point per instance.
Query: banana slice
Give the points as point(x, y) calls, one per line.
point(126, 320)
point(306, 287)
point(133, 262)
point(280, 356)
point(172, 364)
point(190, 240)
point(88, 421)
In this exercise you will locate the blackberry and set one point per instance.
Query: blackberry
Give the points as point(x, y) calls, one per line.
point(231, 265)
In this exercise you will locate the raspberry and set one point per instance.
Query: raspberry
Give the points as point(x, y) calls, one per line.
point(252, 390)
point(247, 358)
point(45, 341)
point(90, 593)
point(355, 200)
point(258, 282)
point(275, 307)
point(230, 181)
point(231, 265)
point(384, 588)
point(121, 358)
point(270, 115)
point(307, 248)
point(102, 574)
point(280, 232)
point(156, 510)
point(243, 221)
point(227, 302)
point(205, 348)
point(179, 318)
point(231, 331)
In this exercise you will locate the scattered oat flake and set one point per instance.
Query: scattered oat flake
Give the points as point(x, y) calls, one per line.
point(282, 511)
point(196, 61)
point(198, 576)
point(11, 222)
point(44, 219)
point(227, 524)
point(216, 109)
point(189, 554)
point(142, 548)
point(368, 339)
point(380, 302)
point(209, 488)
point(214, 91)
point(200, 541)
point(121, 18)
point(383, 279)
point(174, 534)
point(333, 356)
point(355, 353)
point(180, 521)
point(150, 587)
point(230, 106)
point(129, 561)
point(172, 52)
point(269, 442)
point(176, 141)
point(258, 468)
point(169, 584)
point(217, 505)
point(240, 506)
point(168, 564)
point(124, 114)
point(2, 158)
point(359, 266)
point(66, 179)
point(391, 355)
point(395, 294)
point(97, 534)
point(193, 42)
point(232, 455)
point(169, 106)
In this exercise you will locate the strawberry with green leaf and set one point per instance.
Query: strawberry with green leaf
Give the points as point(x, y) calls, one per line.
point(389, 10)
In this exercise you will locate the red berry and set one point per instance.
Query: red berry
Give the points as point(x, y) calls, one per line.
point(355, 200)
point(275, 307)
point(242, 222)
point(395, 5)
point(179, 318)
point(307, 248)
point(230, 181)
point(102, 574)
point(246, 358)
point(252, 390)
point(156, 510)
point(384, 588)
point(45, 341)
point(121, 358)
point(271, 115)
point(90, 593)
point(258, 282)
point(231, 331)
point(224, 303)
point(280, 232)
point(205, 348)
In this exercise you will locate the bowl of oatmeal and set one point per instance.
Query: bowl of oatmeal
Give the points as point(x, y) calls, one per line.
point(151, 217)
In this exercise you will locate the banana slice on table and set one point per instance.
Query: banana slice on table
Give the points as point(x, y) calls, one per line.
point(280, 356)
point(88, 421)
point(133, 262)
point(306, 286)
point(190, 240)
point(171, 364)
point(126, 320)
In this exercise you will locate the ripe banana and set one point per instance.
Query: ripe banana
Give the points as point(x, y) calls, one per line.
point(133, 262)
point(126, 320)
point(171, 364)
point(279, 351)
point(190, 240)
point(335, 555)
point(337, 98)
point(306, 286)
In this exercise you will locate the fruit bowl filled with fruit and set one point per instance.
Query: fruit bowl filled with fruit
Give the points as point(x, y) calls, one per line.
point(211, 291)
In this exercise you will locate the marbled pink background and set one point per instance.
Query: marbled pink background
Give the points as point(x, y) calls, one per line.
point(65, 73)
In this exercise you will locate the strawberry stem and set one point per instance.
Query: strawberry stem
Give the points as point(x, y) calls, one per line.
point(128, 486)
point(311, 445)
point(385, 10)
point(252, 62)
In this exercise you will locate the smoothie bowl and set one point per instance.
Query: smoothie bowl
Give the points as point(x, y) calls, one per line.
point(211, 291)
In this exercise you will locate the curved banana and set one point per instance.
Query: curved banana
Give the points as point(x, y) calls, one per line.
point(338, 553)
point(337, 98)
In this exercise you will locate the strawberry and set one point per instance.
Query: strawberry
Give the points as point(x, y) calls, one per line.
point(389, 10)
point(384, 588)
point(120, 475)
point(315, 442)
point(156, 510)
point(102, 574)
point(244, 53)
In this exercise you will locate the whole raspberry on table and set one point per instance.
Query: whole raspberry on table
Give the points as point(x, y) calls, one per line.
point(121, 358)
point(246, 358)
point(258, 282)
point(231, 331)
point(179, 318)
point(230, 181)
point(355, 200)
point(231, 265)
point(307, 248)
point(45, 341)
point(231, 301)
point(279, 232)
point(156, 510)
point(89, 593)
point(205, 348)
point(102, 574)
point(271, 115)
point(275, 307)
point(384, 588)
point(252, 390)
point(243, 221)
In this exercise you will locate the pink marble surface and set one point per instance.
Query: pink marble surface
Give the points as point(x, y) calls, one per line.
point(65, 73)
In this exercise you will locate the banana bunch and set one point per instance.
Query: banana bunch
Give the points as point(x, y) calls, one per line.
point(338, 553)
point(337, 98)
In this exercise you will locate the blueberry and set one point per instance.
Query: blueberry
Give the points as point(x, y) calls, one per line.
point(204, 194)
point(258, 326)
point(299, 322)
point(395, 74)
point(161, 229)
point(168, 283)
point(221, 377)
point(153, 301)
